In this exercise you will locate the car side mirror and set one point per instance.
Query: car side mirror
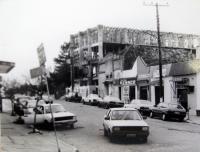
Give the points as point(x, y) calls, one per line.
point(144, 117)
point(107, 118)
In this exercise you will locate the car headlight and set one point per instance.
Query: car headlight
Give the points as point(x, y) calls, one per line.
point(116, 128)
point(75, 118)
point(145, 128)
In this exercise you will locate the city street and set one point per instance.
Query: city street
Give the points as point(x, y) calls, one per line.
point(165, 136)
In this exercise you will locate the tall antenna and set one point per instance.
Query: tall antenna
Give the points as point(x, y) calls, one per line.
point(157, 4)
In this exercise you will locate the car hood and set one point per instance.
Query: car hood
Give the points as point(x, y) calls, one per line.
point(121, 123)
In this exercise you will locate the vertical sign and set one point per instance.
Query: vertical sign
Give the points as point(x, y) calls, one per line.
point(126, 94)
point(41, 54)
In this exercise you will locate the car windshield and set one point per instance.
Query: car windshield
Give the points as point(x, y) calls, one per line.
point(176, 106)
point(94, 96)
point(125, 115)
point(55, 109)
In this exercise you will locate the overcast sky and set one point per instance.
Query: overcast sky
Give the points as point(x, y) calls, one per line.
point(25, 24)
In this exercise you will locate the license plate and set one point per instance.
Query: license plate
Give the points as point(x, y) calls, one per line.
point(177, 112)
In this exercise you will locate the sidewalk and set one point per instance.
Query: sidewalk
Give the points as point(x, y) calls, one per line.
point(15, 138)
point(194, 119)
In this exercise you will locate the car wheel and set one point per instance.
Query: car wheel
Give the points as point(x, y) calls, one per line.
point(72, 126)
point(107, 106)
point(83, 102)
point(181, 119)
point(110, 136)
point(105, 132)
point(90, 103)
point(144, 139)
point(151, 115)
point(164, 117)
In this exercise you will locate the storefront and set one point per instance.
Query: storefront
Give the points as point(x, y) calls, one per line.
point(129, 89)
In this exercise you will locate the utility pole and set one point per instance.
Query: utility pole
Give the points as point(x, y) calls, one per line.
point(159, 46)
point(72, 66)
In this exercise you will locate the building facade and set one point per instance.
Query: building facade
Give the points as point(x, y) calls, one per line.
point(108, 60)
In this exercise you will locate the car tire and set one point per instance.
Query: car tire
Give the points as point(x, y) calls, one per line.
point(107, 106)
point(181, 119)
point(72, 126)
point(110, 136)
point(164, 117)
point(144, 139)
point(83, 102)
point(105, 132)
point(151, 114)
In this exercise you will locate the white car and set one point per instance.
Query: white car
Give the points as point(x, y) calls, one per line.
point(92, 99)
point(43, 115)
point(143, 106)
point(110, 102)
point(125, 122)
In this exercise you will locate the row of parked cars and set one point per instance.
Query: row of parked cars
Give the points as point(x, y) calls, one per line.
point(164, 111)
point(94, 99)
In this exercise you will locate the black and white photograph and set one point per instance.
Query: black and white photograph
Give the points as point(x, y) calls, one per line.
point(99, 76)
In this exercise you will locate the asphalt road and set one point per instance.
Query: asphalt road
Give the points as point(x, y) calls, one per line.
point(87, 136)
point(165, 136)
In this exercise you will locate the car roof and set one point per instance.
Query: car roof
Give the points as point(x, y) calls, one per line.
point(53, 104)
point(123, 109)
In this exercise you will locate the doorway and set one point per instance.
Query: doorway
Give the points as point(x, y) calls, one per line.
point(132, 92)
point(182, 95)
point(157, 94)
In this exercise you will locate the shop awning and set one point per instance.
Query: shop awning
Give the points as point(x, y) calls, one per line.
point(5, 67)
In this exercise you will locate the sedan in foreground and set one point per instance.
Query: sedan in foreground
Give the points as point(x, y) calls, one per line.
point(125, 122)
point(143, 106)
point(167, 111)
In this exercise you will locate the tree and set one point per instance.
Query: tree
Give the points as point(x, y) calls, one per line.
point(60, 78)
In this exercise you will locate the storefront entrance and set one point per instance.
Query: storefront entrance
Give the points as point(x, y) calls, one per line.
point(182, 95)
point(132, 92)
point(144, 92)
point(157, 94)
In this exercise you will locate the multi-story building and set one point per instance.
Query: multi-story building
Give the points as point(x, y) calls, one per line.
point(103, 53)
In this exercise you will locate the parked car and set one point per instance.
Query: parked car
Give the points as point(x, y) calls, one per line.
point(43, 115)
point(92, 99)
point(73, 97)
point(125, 122)
point(168, 111)
point(69, 95)
point(110, 102)
point(143, 106)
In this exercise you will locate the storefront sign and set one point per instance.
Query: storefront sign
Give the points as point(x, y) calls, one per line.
point(125, 93)
point(127, 82)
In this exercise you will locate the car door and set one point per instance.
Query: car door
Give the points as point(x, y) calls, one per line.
point(39, 114)
point(156, 110)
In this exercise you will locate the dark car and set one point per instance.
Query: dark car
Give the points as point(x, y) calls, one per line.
point(110, 102)
point(168, 111)
point(75, 98)
point(143, 106)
